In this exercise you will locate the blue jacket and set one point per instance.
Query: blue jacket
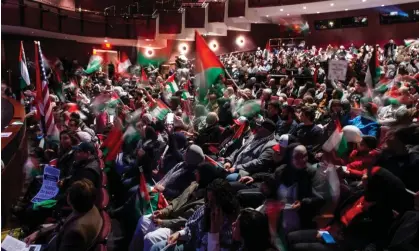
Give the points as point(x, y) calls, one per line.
point(367, 126)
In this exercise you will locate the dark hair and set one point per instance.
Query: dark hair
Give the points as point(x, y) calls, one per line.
point(82, 195)
point(254, 230)
point(75, 139)
point(309, 112)
point(225, 200)
point(76, 121)
point(75, 115)
point(150, 133)
point(208, 173)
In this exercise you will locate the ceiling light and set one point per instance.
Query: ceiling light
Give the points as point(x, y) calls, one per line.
point(105, 40)
point(332, 4)
point(240, 41)
point(267, 15)
point(318, 12)
point(346, 9)
point(382, 5)
point(288, 14)
point(304, 7)
point(281, 9)
point(364, 1)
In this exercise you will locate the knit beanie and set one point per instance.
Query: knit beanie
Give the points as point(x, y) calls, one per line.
point(194, 155)
point(212, 118)
point(370, 141)
point(269, 125)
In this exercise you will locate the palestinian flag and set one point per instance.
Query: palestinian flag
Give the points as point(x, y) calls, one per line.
point(159, 110)
point(171, 85)
point(155, 57)
point(267, 50)
point(336, 142)
point(410, 42)
point(212, 162)
point(249, 108)
point(144, 77)
point(372, 76)
point(111, 147)
point(131, 134)
point(95, 63)
point(124, 64)
point(208, 67)
point(147, 202)
point(24, 74)
point(113, 102)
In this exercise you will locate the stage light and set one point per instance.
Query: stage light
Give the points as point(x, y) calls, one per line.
point(183, 48)
point(213, 45)
point(108, 45)
point(240, 41)
point(149, 52)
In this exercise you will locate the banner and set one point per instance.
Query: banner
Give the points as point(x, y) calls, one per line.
point(49, 187)
point(337, 70)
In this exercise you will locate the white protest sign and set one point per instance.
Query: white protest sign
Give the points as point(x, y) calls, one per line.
point(337, 70)
point(49, 187)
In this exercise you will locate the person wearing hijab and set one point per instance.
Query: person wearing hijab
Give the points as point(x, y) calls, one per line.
point(361, 221)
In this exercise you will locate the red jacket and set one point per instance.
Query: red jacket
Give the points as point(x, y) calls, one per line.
point(358, 163)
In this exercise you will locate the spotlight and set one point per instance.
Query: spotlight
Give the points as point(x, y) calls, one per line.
point(149, 52)
point(183, 48)
point(240, 41)
point(108, 45)
point(213, 45)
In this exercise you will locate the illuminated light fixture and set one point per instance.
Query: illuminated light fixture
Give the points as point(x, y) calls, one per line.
point(346, 9)
point(149, 52)
point(213, 45)
point(318, 12)
point(304, 7)
point(240, 41)
point(331, 24)
point(281, 9)
point(183, 48)
point(108, 45)
point(267, 15)
point(288, 14)
point(94, 51)
point(106, 40)
point(364, 1)
point(332, 4)
point(382, 5)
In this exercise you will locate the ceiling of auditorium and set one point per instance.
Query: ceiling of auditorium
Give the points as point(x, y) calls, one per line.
point(324, 7)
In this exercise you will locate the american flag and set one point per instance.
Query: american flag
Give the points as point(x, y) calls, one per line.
point(44, 107)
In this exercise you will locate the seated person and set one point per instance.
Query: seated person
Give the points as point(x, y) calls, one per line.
point(307, 133)
point(255, 155)
point(197, 232)
point(163, 223)
point(181, 176)
point(210, 135)
point(81, 228)
point(362, 221)
point(234, 136)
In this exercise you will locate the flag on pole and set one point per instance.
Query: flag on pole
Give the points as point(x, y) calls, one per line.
point(44, 107)
point(267, 50)
point(24, 74)
point(112, 145)
point(171, 85)
point(124, 64)
point(143, 75)
point(159, 110)
point(208, 67)
point(95, 63)
point(372, 76)
point(337, 141)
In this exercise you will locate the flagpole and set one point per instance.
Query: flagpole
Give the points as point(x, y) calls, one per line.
point(228, 74)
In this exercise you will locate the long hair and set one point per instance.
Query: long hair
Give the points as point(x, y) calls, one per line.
point(254, 230)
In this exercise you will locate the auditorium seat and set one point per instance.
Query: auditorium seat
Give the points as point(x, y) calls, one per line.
point(102, 200)
point(106, 229)
point(290, 101)
point(101, 247)
point(104, 178)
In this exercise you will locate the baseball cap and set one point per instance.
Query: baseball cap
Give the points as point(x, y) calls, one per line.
point(85, 147)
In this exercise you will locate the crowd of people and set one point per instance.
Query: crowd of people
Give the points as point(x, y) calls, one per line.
point(276, 157)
